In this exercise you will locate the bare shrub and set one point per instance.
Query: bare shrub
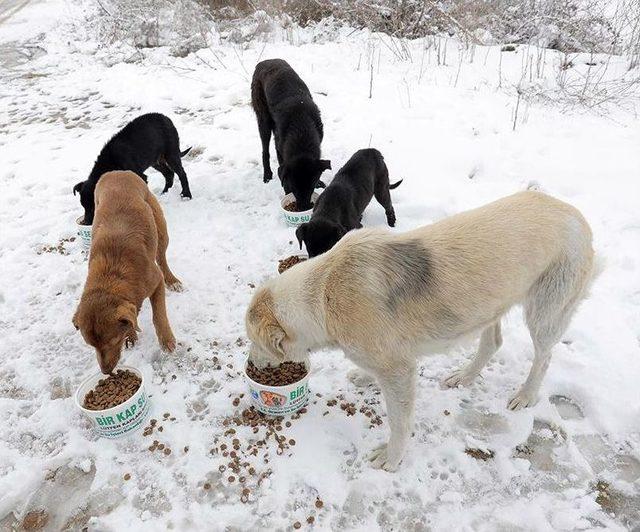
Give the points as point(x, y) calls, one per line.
point(565, 25)
point(179, 24)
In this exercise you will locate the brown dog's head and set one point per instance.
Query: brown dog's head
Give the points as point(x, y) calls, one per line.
point(106, 322)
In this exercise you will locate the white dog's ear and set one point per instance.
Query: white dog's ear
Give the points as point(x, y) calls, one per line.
point(276, 337)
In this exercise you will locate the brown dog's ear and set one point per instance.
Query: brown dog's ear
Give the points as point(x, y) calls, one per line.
point(275, 337)
point(301, 233)
point(127, 315)
point(324, 164)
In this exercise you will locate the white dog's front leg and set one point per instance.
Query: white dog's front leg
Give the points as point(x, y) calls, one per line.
point(398, 388)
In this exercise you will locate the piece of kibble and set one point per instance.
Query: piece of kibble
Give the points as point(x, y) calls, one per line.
point(167, 451)
point(186, 448)
point(292, 442)
point(310, 519)
point(297, 525)
point(231, 478)
point(207, 486)
point(319, 503)
point(127, 476)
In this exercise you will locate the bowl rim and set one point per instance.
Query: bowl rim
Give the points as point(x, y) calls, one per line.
point(93, 376)
point(307, 364)
point(81, 217)
point(288, 198)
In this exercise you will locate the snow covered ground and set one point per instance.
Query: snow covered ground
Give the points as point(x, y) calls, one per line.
point(570, 462)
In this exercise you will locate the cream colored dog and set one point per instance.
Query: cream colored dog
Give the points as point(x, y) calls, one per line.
point(385, 298)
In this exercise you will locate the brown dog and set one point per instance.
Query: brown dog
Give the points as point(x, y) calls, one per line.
point(127, 264)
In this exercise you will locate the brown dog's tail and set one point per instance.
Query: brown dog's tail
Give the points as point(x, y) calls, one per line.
point(183, 153)
point(395, 185)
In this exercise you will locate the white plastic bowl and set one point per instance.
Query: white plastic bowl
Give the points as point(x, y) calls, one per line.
point(295, 219)
point(84, 233)
point(119, 420)
point(278, 400)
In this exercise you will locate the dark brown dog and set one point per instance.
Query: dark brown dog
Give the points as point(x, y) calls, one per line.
point(127, 264)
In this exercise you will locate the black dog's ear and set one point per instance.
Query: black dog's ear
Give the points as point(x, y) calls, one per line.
point(323, 164)
point(78, 188)
point(301, 233)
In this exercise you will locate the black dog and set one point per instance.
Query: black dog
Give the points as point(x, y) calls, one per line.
point(283, 104)
point(148, 140)
point(339, 208)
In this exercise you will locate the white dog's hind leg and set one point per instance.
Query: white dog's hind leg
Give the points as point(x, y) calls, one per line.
point(490, 342)
point(528, 394)
point(548, 309)
point(398, 387)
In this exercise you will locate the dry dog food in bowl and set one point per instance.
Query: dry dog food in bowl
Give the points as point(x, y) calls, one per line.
point(112, 391)
point(117, 405)
point(293, 207)
point(84, 232)
point(278, 390)
point(282, 375)
point(289, 210)
point(285, 264)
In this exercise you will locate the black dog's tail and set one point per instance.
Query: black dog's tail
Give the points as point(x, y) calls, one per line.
point(183, 153)
point(395, 185)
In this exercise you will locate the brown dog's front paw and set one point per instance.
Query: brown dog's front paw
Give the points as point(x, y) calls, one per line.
point(168, 343)
point(174, 285)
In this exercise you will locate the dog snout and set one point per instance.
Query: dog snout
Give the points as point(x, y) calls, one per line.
point(303, 204)
point(107, 361)
point(260, 358)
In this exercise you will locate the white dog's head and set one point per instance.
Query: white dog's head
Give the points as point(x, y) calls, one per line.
point(271, 341)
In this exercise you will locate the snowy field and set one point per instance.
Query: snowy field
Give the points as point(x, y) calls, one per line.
point(570, 462)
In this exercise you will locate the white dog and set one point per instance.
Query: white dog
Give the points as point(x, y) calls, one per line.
point(386, 298)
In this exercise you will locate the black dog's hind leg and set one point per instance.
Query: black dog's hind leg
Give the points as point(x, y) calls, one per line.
point(381, 192)
point(167, 173)
point(265, 125)
point(264, 128)
point(174, 163)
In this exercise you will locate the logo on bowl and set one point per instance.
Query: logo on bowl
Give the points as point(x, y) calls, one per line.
point(272, 398)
